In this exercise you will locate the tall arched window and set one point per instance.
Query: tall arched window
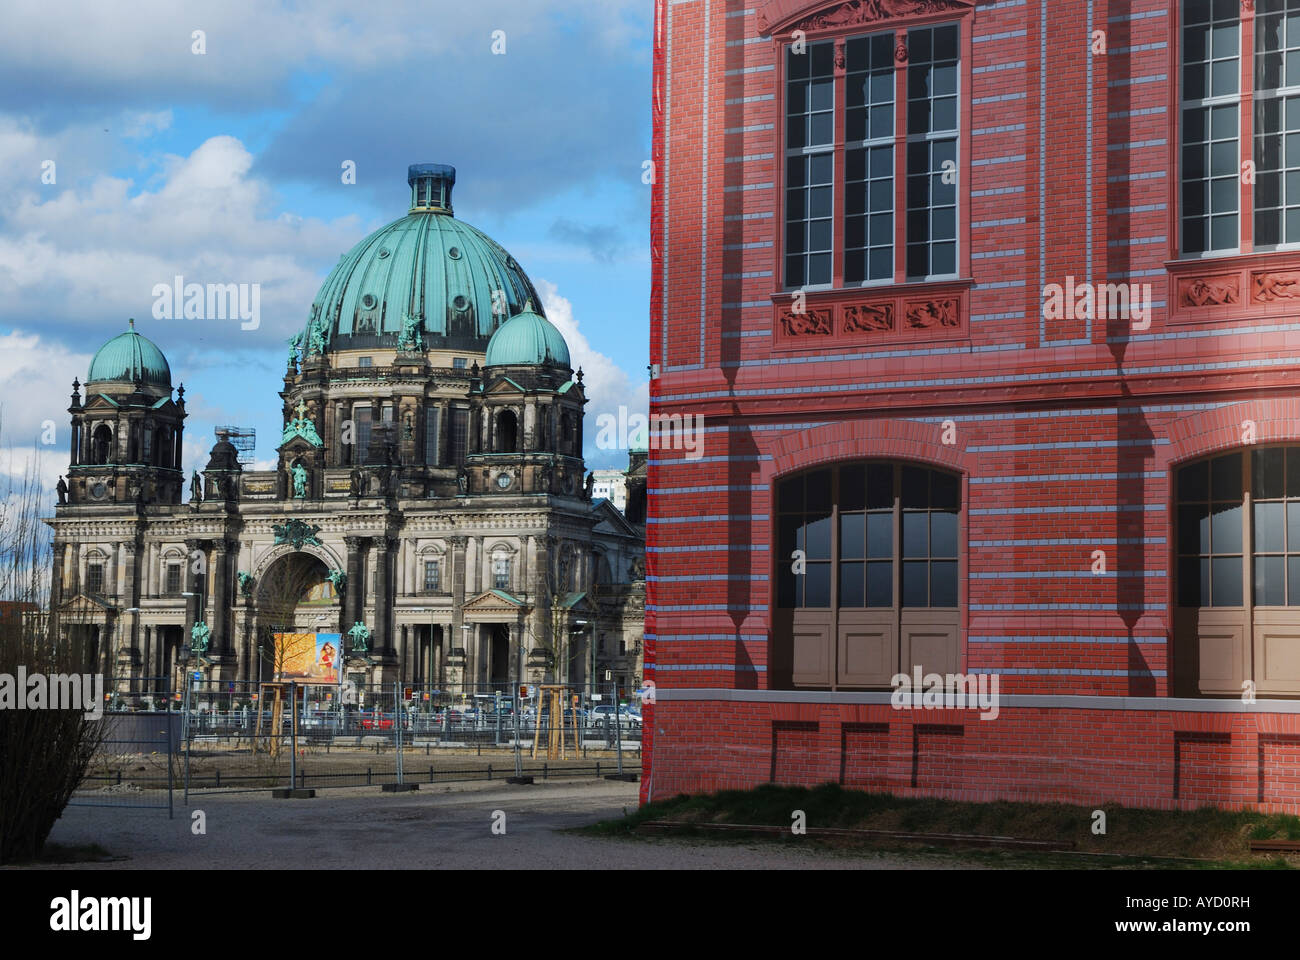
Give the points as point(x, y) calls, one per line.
point(867, 578)
point(1237, 590)
point(101, 443)
point(501, 571)
point(566, 432)
point(507, 432)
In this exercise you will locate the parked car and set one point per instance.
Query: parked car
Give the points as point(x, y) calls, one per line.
point(376, 721)
point(316, 719)
point(605, 711)
point(572, 717)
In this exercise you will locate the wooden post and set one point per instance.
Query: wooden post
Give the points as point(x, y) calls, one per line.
point(537, 727)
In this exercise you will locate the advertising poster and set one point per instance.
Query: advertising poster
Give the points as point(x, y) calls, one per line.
point(308, 657)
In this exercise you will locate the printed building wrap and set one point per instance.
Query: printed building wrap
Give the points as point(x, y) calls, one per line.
point(990, 312)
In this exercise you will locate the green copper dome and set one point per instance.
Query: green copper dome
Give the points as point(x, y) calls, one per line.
point(457, 283)
point(130, 358)
point(527, 339)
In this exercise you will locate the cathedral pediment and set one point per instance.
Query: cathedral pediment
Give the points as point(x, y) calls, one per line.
point(611, 521)
point(100, 402)
point(494, 603)
point(504, 385)
point(779, 16)
point(83, 605)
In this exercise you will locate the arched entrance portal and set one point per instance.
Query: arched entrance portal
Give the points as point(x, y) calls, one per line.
point(294, 597)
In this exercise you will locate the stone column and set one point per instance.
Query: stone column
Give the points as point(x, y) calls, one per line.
point(192, 603)
point(474, 566)
point(456, 584)
point(110, 572)
point(382, 547)
point(241, 628)
point(105, 653)
point(220, 645)
point(328, 420)
point(56, 576)
point(354, 593)
point(130, 598)
point(438, 654)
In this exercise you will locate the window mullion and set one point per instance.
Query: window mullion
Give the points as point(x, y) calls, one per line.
point(835, 579)
point(835, 544)
point(898, 547)
point(1246, 149)
point(900, 177)
point(1248, 560)
point(839, 167)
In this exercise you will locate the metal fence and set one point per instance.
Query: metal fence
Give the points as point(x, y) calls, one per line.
point(251, 736)
point(135, 765)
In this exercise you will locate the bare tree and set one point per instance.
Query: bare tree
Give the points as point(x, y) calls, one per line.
point(557, 575)
point(44, 753)
point(278, 602)
point(25, 539)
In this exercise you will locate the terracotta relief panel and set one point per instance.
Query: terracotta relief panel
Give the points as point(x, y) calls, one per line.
point(808, 323)
point(844, 317)
point(1267, 286)
point(868, 317)
point(926, 314)
point(1209, 291)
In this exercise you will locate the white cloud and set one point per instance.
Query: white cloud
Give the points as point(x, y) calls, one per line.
point(609, 386)
point(89, 255)
point(141, 126)
point(37, 375)
point(98, 51)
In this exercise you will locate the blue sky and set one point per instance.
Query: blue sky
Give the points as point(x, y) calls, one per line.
point(224, 166)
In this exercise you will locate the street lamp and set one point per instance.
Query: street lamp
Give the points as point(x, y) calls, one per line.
point(465, 629)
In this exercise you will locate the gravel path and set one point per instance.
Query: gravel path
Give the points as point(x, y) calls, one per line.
point(445, 829)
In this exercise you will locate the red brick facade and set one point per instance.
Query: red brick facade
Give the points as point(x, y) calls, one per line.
point(1065, 431)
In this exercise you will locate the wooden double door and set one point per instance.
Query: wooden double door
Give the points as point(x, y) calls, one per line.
point(867, 575)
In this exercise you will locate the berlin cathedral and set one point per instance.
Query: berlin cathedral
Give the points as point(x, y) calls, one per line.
point(430, 503)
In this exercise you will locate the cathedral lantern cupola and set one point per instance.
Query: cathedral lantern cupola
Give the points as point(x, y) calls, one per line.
point(431, 185)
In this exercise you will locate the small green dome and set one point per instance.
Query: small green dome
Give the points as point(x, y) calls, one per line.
point(527, 339)
point(130, 358)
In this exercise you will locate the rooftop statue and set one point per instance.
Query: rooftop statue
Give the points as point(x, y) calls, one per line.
point(412, 337)
point(299, 481)
point(301, 426)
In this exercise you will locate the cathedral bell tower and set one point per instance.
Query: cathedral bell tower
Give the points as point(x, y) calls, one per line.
point(526, 413)
point(127, 432)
